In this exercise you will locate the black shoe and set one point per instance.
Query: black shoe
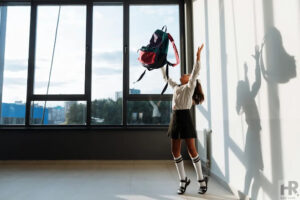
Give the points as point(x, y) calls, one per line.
point(182, 189)
point(203, 189)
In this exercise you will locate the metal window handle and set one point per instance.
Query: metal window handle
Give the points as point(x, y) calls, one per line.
point(125, 49)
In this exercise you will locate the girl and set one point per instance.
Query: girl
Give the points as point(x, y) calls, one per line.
point(181, 127)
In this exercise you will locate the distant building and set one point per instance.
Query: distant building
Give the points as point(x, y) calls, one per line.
point(57, 115)
point(14, 113)
point(119, 94)
point(68, 104)
point(134, 91)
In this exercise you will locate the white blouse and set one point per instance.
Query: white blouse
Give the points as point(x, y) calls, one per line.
point(155, 112)
point(182, 95)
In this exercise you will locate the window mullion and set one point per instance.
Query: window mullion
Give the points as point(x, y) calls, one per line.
point(31, 61)
point(88, 60)
point(125, 60)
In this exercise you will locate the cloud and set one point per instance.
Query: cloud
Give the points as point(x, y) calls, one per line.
point(14, 81)
point(15, 65)
point(107, 71)
point(157, 10)
point(43, 84)
point(108, 63)
point(10, 81)
point(109, 57)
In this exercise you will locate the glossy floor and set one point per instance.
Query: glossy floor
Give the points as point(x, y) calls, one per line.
point(97, 180)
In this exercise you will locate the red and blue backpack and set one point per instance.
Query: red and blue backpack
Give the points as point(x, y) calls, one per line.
point(154, 55)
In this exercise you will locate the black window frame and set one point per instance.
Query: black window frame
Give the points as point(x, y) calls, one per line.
point(31, 97)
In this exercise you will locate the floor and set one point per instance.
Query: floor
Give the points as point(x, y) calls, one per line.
point(96, 180)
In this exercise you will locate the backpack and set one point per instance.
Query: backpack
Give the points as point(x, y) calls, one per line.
point(154, 55)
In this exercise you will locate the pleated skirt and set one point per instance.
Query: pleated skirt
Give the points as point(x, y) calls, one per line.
point(181, 125)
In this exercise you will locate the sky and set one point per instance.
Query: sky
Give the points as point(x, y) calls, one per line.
point(67, 75)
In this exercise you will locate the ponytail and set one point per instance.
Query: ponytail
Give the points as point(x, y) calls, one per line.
point(198, 95)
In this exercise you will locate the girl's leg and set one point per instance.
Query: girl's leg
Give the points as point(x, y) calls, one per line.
point(190, 142)
point(176, 147)
point(176, 152)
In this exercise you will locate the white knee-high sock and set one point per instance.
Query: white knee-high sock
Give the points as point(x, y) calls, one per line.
point(197, 165)
point(180, 169)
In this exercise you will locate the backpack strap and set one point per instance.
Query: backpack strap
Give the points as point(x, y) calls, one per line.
point(141, 76)
point(175, 51)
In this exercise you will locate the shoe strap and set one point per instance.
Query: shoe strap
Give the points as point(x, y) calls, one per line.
point(203, 180)
point(184, 181)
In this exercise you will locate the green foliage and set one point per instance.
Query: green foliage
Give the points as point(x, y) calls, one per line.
point(109, 112)
point(76, 114)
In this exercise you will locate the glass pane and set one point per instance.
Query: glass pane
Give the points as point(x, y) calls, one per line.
point(58, 112)
point(60, 43)
point(149, 112)
point(107, 72)
point(14, 44)
point(144, 20)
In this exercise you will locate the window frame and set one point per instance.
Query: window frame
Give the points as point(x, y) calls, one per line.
point(88, 61)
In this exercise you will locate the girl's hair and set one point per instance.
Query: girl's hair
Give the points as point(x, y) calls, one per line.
point(198, 95)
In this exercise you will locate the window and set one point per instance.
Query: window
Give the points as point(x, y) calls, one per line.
point(14, 45)
point(58, 112)
point(148, 112)
point(144, 20)
point(107, 71)
point(81, 60)
point(60, 50)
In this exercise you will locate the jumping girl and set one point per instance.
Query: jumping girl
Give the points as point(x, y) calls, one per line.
point(188, 93)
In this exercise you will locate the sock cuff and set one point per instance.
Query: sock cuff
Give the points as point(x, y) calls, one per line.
point(178, 159)
point(196, 159)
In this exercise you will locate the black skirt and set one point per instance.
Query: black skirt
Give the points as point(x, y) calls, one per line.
point(181, 125)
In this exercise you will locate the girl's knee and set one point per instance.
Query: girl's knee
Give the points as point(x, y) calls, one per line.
point(193, 154)
point(176, 153)
point(192, 151)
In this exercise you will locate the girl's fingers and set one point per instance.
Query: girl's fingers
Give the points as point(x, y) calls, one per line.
point(201, 46)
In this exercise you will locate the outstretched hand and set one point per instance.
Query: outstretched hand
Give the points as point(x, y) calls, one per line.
point(199, 52)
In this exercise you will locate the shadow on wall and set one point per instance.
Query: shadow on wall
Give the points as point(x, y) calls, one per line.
point(246, 104)
point(282, 66)
point(281, 69)
point(278, 68)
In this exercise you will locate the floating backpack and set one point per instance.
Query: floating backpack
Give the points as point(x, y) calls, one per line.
point(154, 55)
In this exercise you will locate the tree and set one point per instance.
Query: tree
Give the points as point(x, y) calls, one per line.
point(76, 114)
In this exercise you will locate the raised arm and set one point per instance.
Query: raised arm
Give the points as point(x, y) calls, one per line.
point(152, 103)
point(170, 81)
point(256, 85)
point(196, 69)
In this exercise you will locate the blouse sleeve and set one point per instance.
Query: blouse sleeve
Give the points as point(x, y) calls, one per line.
point(194, 74)
point(170, 81)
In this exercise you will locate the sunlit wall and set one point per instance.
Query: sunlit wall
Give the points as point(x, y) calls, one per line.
point(249, 74)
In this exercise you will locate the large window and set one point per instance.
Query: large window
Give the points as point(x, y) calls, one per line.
point(148, 112)
point(81, 61)
point(107, 72)
point(144, 20)
point(58, 113)
point(60, 50)
point(14, 45)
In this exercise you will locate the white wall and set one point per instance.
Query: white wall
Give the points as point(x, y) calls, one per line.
point(255, 123)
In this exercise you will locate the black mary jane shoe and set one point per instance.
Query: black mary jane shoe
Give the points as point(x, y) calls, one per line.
point(182, 189)
point(203, 189)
